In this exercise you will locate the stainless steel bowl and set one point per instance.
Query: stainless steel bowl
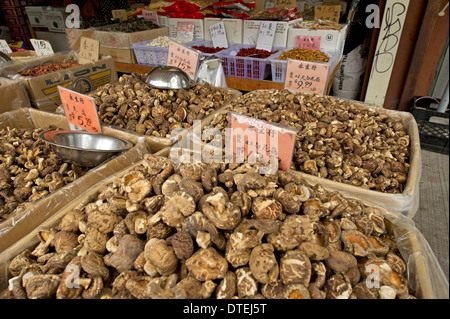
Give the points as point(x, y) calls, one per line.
point(168, 77)
point(84, 148)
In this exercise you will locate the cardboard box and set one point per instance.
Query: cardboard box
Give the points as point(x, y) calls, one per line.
point(251, 32)
point(119, 55)
point(199, 32)
point(330, 39)
point(56, 20)
point(233, 27)
point(21, 223)
point(122, 40)
point(13, 95)
point(42, 90)
point(74, 35)
point(36, 16)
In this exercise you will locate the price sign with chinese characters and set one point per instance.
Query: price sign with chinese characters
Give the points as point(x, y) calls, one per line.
point(150, 15)
point(285, 4)
point(120, 14)
point(309, 42)
point(42, 47)
point(266, 35)
point(331, 13)
point(4, 47)
point(80, 110)
point(185, 30)
point(89, 50)
point(306, 77)
point(250, 136)
point(183, 58)
point(219, 35)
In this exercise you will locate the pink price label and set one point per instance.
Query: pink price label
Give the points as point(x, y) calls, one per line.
point(309, 42)
point(150, 15)
point(183, 58)
point(307, 77)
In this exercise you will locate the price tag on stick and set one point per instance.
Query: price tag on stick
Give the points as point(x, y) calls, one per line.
point(80, 110)
point(266, 35)
point(89, 50)
point(150, 15)
point(4, 47)
point(185, 30)
point(219, 35)
point(250, 136)
point(183, 58)
point(42, 47)
point(307, 77)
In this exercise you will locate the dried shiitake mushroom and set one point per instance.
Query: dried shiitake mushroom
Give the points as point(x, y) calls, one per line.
point(223, 245)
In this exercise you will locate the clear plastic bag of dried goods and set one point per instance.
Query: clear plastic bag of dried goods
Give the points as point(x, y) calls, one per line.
point(211, 71)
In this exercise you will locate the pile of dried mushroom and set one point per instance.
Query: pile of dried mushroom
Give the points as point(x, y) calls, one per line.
point(135, 106)
point(337, 140)
point(29, 169)
point(165, 230)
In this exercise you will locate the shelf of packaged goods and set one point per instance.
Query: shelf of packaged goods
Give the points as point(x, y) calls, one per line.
point(236, 83)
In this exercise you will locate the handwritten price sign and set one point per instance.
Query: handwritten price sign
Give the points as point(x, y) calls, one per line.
point(185, 30)
point(183, 58)
point(309, 42)
point(307, 77)
point(4, 47)
point(331, 13)
point(42, 47)
point(89, 50)
point(150, 15)
point(80, 110)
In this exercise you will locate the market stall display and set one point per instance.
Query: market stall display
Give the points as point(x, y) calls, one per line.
point(229, 239)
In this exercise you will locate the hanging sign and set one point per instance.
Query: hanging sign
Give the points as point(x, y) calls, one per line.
point(219, 35)
point(331, 13)
point(42, 47)
point(183, 58)
point(308, 42)
point(307, 77)
point(250, 136)
point(80, 110)
point(266, 35)
point(89, 50)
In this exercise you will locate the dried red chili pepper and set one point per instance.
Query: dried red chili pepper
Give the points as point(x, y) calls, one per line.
point(251, 51)
point(209, 50)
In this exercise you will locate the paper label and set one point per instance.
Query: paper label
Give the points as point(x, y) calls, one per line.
point(4, 47)
point(120, 14)
point(307, 77)
point(183, 58)
point(80, 110)
point(266, 35)
point(89, 50)
point(150, 15)
point(219, 35)
point(250, 136)
point(42, 47)
point(308, 42)
point(285, 4)
point(185, 30)
point(55, 21)
point(331, 13)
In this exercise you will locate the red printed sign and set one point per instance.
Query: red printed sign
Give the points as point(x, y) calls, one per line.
point(308, 42)
point(150, 15)
point(183, 58)
point(80, 110)
point(308, 77)
point(250, 136)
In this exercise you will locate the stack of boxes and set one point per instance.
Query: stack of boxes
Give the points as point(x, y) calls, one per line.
point(16, 19)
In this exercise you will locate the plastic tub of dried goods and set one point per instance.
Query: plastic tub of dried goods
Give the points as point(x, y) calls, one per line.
point(245, 67)
point(279, 66)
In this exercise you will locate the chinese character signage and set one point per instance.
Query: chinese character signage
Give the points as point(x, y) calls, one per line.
point(309, 42)
point(80, 110)
point(42, 47)
point(307, 77)
point(331, 13)
point(89, 50)
point(183, 58)
point(219, 35)
point(266, 35)
point(185, 31)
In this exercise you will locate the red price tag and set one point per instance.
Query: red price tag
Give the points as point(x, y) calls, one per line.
point(183, 58)
point(250, 136)
point(80, 110)
point(306, 77)
point(309, 42)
